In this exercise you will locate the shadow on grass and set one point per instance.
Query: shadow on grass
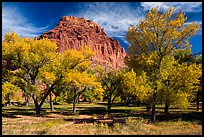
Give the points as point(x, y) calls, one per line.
point(101, 115)
point(183, 116)
point(121, 104)
point(107, 116)
point(12, 112)
point(101, 111)
point(109, 121)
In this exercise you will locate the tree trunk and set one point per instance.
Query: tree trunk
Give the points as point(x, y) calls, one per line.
point(74, 105)
point(26, 101)
point(38, 110)
point(19, 104)
point(109, 103)
point(8, 100)
point(153, 113)
point(74, 101)
point(127, 101)
point(148, 107)
point(6, 104)
point(197, 101)
point(33, 81)
point(37, 106)
point(51, 102)
point(26, 104)
point(138, 104)
point(166, 109)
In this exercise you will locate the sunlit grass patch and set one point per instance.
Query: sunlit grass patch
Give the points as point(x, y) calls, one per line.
point(95, 119)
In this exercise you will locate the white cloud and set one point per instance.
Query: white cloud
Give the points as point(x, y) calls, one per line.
point(187, 7)
point(184, 6)
point(14, 21)
point(114, 17)
point(197, 22)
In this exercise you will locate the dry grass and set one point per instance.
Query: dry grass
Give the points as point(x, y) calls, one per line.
point(94, 122)
point(26, 125)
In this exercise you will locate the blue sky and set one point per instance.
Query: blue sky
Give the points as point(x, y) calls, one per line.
point(30, 19)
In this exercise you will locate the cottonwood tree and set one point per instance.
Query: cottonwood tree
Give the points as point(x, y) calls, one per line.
point(23, 86)
point(178, 82)
point(70, 69)
point(111, 82)
point(80, 82)
point(28, 56)
point(137, 86)
point(185, 56)
point(155, 37)
point(37, 61)
point(10, 91)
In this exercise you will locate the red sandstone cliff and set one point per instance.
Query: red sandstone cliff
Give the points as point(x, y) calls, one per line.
point(72, 33)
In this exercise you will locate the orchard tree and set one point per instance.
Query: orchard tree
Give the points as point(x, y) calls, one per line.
point(70, 70)
point(10, 91)
point(178, 82)
point(23, 85)
point(20, 83)
point(80, 82)
point(37, 61)
point(137, 85)
point(155, 37)
point(197, 59)
point(128, 98)
point(185, 56)
point(28, 56)
point(111, 82)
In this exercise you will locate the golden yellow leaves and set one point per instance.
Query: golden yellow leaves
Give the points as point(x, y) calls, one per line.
point(87, 52)
point(49, 77)
point(181, 100)
point(81, 80)
point(8, 87)
point(129, 81)
point(81, 58)
point(178, 81)
point(10, 91)
point(136, 85)
point(153, 45)
point(159, 31)
point(28, 51)
point(38, 61)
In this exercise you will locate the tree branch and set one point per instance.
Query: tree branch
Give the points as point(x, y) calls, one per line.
point(21, 77)
point(49, 89)
point(79, 93)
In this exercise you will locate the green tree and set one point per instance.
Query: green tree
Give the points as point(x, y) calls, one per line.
point(111, 81)
point(157, 36)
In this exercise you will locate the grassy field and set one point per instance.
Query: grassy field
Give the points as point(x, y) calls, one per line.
point(94, 119)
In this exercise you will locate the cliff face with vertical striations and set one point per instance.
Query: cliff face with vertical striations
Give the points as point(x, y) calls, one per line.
point(72, 33)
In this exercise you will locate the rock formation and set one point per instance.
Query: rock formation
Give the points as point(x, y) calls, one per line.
point(72, 33)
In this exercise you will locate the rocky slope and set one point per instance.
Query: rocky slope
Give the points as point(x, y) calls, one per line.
point(72, 33)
